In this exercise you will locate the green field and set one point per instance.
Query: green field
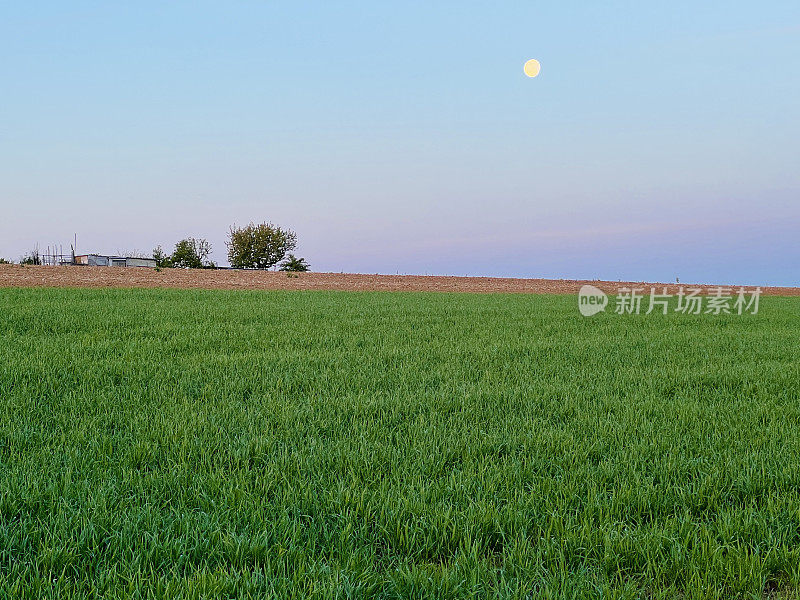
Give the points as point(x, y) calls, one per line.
point(169, 443)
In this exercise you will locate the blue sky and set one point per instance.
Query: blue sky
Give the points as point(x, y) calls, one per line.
point(659, 141)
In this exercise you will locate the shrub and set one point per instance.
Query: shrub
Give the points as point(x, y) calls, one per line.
point(292, 263)
point(32, 258)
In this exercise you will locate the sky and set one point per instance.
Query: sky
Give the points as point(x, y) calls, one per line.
point(660, 140)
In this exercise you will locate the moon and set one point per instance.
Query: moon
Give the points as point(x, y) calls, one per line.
point(532, 68)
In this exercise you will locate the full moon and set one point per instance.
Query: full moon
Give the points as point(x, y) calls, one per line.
point(532, 68)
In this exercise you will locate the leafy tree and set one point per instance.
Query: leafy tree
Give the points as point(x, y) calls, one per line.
point(162, 258)
point(3, 261)
point(292, 263)
point(259, 246)
point(191, 253)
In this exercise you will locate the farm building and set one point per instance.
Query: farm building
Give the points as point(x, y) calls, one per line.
point(99, 260)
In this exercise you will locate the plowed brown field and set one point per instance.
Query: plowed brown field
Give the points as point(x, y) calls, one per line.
point(30, 276)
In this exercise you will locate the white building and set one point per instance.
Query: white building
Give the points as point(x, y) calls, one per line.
point(99, 260)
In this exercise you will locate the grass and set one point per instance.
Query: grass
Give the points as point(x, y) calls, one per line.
point(159, 443)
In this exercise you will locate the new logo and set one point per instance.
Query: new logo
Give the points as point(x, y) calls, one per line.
point(591, 300)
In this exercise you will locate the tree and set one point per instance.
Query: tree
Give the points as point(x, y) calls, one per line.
point(162, 258)
point(191, 253)
point(259, 246)
point(292, 263)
